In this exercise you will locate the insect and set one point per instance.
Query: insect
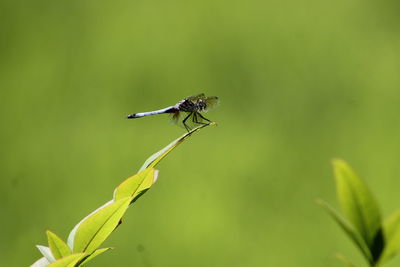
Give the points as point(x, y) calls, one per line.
point(193, 106)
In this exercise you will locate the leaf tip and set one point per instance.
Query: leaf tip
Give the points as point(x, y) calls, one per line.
point(155, 177)
point(50, 233)
point(337, 162)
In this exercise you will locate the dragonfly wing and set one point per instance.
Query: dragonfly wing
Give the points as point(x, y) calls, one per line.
point(194, 98)
point(212, 102)
point(174, 117)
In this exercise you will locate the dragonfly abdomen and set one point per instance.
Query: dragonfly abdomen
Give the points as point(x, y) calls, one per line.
point(161, 111)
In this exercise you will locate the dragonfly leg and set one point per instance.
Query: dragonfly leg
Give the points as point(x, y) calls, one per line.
point(195, 119)
point(184, 122)
point(204, 118)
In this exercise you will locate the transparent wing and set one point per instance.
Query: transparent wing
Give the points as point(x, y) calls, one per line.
point(194, 98)
point(175, 117)
point(212, 102)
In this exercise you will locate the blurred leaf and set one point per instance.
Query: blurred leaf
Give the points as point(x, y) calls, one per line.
point(348, 229)
point(391, 228)
point(136, 185)
point(57, 246)
point(359, 206)
point(94, 254)
point(154, 159)
point(345, 260)
point(68, 261)
point(46, 252)
point(42, 262)
point(94, 229)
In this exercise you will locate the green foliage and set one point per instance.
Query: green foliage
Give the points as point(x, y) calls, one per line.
point(58, 247)
point(154, 159)
point(68, 261)
point(88, 235)
point(137, 184)
point(357, 204)
point(348, 229)
point(391, 228)
point(46, 252)
point(93, 230)
point(94, 254)
point(378, 241)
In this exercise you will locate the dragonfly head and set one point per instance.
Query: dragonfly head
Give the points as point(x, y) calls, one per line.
point(201, 105)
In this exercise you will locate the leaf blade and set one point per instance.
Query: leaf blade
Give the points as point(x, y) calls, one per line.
point(135, 184)
point(154, 159)
point(42, 262)
point(348, 229)
point(96, 253)
point(57, 246)
point(46, 252)
point(359, 206)
point(391, 229)
point(97, 227)
point(68, 261)
point(71, 236)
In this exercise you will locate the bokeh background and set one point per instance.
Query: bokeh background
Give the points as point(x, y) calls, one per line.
point(300, 82)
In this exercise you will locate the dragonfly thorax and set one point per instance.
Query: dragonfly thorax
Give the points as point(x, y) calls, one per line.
point(188, 105)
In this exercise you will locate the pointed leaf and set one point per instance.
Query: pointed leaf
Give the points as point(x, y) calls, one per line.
point(71, 236)
point(391, 228)
point(96, 228)
point(94, 254)
point(135, 185)
point(68, 261)
point(42, 262)
point(154, 159)
point(57, 246)
point(46, 252)
point(348, 229)
point(357, 203)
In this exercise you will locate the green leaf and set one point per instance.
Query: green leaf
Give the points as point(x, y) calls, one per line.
point(94, 254)
point(57, 246)
point(71, 236)
point(348, 229)
point(46, 252)
point(88, 235)
point(359, 206)
point(68, 261)
point(391, 229)
point(154, 159)
point(136, 185)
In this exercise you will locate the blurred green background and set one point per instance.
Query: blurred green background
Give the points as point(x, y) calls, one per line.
point(300, 82)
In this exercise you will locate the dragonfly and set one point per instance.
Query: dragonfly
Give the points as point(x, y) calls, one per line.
point(193, 106)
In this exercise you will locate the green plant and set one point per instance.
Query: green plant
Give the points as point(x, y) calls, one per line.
point(86, 237)
point(377, 239)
